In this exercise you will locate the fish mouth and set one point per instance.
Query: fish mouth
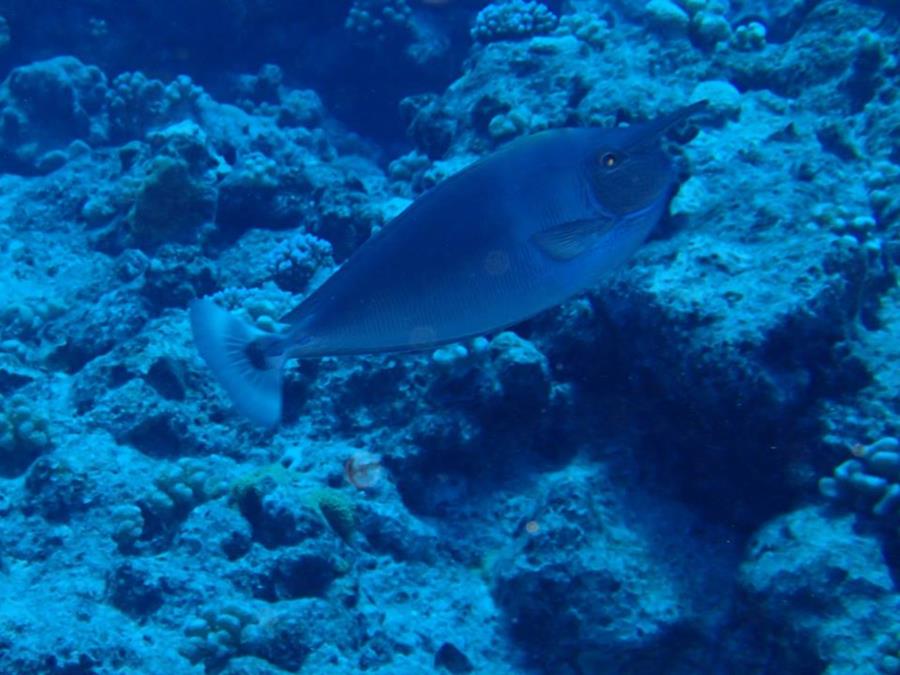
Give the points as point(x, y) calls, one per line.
point(652, 130)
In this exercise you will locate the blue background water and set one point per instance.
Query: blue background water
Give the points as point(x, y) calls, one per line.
point(692, 469)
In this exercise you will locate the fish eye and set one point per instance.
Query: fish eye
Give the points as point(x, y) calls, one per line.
point(609, 160)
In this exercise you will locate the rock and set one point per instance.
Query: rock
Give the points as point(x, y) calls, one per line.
point(724, 99)
point(668, 17)
point(840, 575)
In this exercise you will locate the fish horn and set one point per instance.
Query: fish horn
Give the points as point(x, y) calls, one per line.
point(650, 131)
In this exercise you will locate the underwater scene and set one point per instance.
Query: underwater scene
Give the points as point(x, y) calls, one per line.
point(506, 337)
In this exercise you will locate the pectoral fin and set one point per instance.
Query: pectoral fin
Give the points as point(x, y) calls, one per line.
point(569, 240)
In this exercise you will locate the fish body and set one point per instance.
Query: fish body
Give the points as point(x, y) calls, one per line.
point(516, 233)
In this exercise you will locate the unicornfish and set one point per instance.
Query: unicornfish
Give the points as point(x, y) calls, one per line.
point(519, 231)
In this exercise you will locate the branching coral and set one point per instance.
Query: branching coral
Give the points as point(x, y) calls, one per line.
point(24, 435)
point(513, 20)
point(295, 262)
point(177, 489)
point(870, 480)
point(184, 485)
point(137, 103)
point(128, 526)
point(379, 19)
point(215, 635)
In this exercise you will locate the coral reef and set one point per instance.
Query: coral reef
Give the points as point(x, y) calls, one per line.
point(297, 260)
point(846, 582)
point(169, 204)
point(382, 20)
point(513, 19)
point(24, 434)
point(46, 106)
point(704, 445)
point(871, 478)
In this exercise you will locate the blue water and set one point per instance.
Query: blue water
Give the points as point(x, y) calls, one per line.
point(691, 468)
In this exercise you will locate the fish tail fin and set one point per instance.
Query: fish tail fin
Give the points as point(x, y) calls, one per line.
point(236, 352)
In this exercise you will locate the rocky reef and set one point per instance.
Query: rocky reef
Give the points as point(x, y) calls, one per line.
point(690, 469)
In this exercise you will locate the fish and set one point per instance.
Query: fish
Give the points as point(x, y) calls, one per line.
point(517, 232)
